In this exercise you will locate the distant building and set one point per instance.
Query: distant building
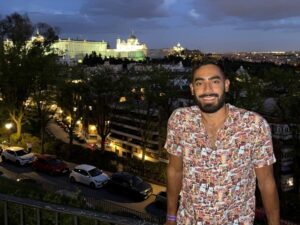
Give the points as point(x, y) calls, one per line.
point(177, 48)
point(158, 53)
point(74, 50)
point(163, 52)
point(131, 48)
point(77, 49)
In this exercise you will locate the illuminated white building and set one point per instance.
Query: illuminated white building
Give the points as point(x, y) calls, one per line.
point(132, 45)
point(178, 48)
point(77, 49)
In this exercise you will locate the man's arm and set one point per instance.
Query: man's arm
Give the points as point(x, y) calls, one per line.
point(268, 190)
point(174, 182)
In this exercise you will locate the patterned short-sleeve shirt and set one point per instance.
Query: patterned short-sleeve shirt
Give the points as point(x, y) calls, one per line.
point(218, 184)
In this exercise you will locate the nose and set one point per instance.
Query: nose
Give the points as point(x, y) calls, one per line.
point(207, 87)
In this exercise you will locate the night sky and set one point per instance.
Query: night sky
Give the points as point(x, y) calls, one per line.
point(208, 25)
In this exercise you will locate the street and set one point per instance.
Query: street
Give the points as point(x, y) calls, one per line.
point(54, 183)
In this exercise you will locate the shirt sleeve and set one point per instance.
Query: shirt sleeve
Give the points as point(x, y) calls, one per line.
point(263, 154)
point(172, 144)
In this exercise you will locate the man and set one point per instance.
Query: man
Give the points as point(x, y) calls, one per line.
point(216, 152)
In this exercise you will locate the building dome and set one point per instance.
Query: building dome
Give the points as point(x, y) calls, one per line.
point(132, 36)
point(38, 37)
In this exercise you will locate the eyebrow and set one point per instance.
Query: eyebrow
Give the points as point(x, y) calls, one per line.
point(215, 77)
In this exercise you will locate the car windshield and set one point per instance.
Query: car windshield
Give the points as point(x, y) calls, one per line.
point(136, 180)
point(21, 152)
point(95, 172)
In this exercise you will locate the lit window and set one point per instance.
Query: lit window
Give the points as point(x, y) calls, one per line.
point(122, 99)
point(290, 182)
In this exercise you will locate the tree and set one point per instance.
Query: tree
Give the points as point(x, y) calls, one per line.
point(142, 109)
point(246, 90)
point(71, 95)
point(29, 67)
point(15, 78)
point(166, 87)
point(103, 84)
point(42, 64)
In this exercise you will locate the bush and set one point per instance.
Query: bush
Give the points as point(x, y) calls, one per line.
point(28, 138)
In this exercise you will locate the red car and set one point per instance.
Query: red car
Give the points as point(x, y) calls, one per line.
point(50, 164)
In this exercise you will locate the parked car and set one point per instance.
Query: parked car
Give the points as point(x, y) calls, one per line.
point(50, 164)
point(18, 155)
point(161, 200)
point(130, 184)
point(89, 175)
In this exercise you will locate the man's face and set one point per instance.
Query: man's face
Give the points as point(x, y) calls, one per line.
point(209, 87)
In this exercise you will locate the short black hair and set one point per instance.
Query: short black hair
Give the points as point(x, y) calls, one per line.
point(219, 65)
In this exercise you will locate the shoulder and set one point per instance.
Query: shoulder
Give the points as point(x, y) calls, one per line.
point(247, 116)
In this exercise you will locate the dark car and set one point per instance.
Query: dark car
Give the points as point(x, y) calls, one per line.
point(129, 184)
point(50, 164)
point(161, 200)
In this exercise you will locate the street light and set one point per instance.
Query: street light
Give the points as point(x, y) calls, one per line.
point(9, 126)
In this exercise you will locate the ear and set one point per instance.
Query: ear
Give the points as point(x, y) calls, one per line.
point(192, 89)
point(227, 84)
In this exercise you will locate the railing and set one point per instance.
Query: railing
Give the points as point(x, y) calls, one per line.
point(112, 208)
point(23, 211)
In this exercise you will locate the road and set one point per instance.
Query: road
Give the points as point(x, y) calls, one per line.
point(60, 134)
point(54, 183)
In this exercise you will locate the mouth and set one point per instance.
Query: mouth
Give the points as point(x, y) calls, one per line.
point(208, 98)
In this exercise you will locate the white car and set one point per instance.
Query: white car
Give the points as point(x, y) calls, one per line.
point(89, 175)
point(17, 155)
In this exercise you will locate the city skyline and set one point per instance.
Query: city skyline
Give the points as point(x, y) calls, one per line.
point(210, 26)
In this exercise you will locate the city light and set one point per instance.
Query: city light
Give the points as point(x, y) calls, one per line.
point(8, 126)
point(92, 128)
point(122, 99)
point(290, 182)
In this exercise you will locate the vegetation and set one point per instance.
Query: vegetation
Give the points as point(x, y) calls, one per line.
point(27, 70)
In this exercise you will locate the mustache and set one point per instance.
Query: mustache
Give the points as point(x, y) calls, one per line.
point(208, 95)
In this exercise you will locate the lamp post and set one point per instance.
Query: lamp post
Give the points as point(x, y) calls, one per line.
point(9, 126)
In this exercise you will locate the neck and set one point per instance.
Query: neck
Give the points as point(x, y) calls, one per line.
point(216, 117)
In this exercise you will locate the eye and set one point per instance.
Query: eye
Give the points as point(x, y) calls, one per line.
point(198, 83)
point(216, 81)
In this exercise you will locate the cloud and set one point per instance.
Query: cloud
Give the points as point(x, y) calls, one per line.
point(243, 15)
point(129, 9)
point(194, 14)
point(291, 24)
point(254, 10)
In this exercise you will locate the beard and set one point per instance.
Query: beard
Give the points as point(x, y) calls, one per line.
point(211, 107)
